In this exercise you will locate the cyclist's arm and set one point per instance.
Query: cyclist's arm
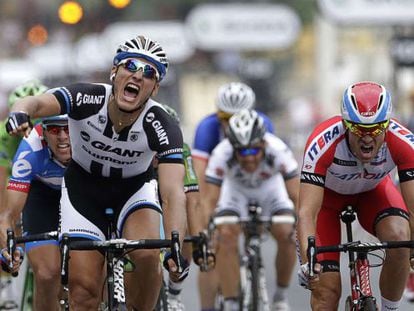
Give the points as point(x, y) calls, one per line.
point(210, 197)
point(38, 106)
point(200, 166)
point(35, 107)
point(4, 173)
point(292, 187)
point(195, 220)
point(173, 197)
point(407, 190)
point(310, 202)
point(10, 212)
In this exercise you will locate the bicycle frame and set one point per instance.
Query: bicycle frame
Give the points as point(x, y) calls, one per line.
point(361, 297)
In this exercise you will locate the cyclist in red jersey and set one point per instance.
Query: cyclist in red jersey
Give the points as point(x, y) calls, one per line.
point(347, 161)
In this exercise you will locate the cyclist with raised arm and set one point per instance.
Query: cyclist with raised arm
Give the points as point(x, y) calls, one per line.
point(347, 161)
point(34, 189)
point(231, 98)
point(116, 130)
point(252, 166)
point(9, 287)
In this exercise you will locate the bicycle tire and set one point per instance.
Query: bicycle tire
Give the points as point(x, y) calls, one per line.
point(28, 291)
point(369, 304)
point(162, 302)
point(254, 266)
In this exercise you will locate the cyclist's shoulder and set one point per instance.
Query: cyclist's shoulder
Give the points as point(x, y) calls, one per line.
point(208, 122)
point(34, 143)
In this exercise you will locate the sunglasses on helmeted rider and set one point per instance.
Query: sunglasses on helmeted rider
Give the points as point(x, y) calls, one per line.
point(55, 129)
point(244, 152)
point(372, 130)
point(134, 65)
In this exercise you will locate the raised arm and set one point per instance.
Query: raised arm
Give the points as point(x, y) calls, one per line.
point(35, 107)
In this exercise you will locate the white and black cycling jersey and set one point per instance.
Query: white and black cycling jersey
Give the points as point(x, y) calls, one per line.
point(99, 150)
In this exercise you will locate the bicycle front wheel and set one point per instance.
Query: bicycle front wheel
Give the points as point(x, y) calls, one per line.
point(254, 266)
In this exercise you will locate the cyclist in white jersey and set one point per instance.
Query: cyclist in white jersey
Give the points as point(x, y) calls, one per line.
point(231, 98)
point(252, 166)
point(347, 161)
point(116, 130)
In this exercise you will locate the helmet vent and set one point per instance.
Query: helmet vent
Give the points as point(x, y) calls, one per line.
point(380, 101)
point(354, 101)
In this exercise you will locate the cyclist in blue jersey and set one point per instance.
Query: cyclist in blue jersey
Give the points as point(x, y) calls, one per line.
point(231, 98)
point(116, 130)
point(10, 288)
point(34, 189)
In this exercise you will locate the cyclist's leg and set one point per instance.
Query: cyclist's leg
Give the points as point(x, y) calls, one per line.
point(387, 219)
point(327, 293)
point(142, 292)
point(274, 200)
point(41, 214)
point(232, 201)
point(142, 221)
point(86, 276)
point(45, 262)
point(85, 279)
point(208, 288)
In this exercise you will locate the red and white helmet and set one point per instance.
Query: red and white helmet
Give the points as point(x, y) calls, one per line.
point(366, 103)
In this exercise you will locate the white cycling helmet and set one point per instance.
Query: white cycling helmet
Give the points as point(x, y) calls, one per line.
point(145, 48)
point(245, 128)
point(235, 96)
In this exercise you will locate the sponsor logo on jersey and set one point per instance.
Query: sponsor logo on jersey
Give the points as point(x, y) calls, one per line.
point(344, 162)
point(102, 119)
point(312, 178)
point(93, 126)
point(88, 99)
point(85, 136)
point(21, 167)
point(322, 141)
point(360, 175)
point(119, 151)
point(402, 131)
point(159, 129)
point(108, 148)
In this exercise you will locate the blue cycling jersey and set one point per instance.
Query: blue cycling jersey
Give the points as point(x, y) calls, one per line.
point(209, 133)
point(33, 161)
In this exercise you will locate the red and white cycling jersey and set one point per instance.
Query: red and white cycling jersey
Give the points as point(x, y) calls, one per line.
point(329, 162)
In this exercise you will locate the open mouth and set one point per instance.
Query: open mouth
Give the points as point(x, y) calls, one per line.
point(131, 91)
point(63, 146)
point(366, 150)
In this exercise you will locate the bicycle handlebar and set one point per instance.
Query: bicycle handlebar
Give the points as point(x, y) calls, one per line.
point(12, 241)
point(355, 246)
point(119, 244)
point(275, 219)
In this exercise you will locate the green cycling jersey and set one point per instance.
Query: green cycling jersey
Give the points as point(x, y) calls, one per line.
point(190, 179)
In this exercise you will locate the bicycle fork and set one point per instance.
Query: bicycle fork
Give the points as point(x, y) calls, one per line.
point(116, 281)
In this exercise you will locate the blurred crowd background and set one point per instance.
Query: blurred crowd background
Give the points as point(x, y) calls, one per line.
point(297, 55)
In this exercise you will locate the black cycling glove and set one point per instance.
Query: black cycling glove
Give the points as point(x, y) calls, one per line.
point(16, 119)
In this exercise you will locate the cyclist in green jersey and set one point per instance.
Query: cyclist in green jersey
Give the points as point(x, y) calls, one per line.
point(8, 147)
